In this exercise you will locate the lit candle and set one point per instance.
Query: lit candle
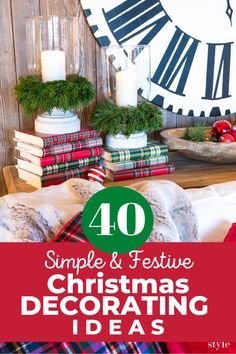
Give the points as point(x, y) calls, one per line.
point(53, 64)
point(126, 88)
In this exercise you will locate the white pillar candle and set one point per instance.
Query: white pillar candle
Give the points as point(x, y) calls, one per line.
point(126, 88)
point(53, 63)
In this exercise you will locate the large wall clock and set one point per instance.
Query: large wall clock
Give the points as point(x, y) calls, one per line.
point(192, 45)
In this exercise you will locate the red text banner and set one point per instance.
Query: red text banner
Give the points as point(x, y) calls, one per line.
point(161, 292)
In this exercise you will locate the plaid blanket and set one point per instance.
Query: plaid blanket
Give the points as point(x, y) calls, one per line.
point(86, 347)
point(72, 232)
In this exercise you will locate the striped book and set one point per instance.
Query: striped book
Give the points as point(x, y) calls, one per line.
point(43, 140)
point(140, 173)
point(58, 149)
point(61, 167)
point(129, 165)
point(62, 158)
point(54, 178)
point(153, 149)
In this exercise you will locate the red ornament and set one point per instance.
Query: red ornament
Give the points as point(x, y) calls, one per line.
point(221, 127)
point(234, 132)
point(226, 138)
point(97, 174)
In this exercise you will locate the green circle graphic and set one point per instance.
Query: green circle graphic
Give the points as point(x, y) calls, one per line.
point(117, 219)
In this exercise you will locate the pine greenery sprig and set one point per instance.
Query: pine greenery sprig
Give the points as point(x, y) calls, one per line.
point(110, 119)
point(36, 96)
point(198, 133)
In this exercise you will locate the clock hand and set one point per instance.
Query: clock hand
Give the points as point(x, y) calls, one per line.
point(229, 11)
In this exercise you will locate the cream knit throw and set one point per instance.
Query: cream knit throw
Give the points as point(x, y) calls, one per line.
point(174, 217)
point(37, 216)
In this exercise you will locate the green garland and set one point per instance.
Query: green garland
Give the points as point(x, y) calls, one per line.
point(36, 96)
point(111, 119)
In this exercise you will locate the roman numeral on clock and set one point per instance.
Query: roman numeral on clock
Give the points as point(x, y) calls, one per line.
point(218, 71)
point(174, 67)
point(133, 17)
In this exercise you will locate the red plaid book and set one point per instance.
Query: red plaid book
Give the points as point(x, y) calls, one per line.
point(58, 149)
point(54, 178)
point(62, 158)
point(140, 173)
point(43, 140)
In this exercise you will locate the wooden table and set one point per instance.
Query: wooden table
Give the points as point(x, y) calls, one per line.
point(189, 174)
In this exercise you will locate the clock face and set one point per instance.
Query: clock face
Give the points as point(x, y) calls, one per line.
point(193, 53)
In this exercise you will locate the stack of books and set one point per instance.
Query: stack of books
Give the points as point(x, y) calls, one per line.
point(45, 160)
point(125, 164)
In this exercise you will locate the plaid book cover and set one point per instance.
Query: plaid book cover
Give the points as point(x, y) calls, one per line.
point(73, 146)
point(129, 165)
point(140, 173)
point(70, 156)
point(72, 232)
point(69, 165)
point(68, 138)
point(59, 177)
point(151, 150)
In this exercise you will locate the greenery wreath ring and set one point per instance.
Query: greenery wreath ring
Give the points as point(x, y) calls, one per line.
point(110, 119)
point(36, 96)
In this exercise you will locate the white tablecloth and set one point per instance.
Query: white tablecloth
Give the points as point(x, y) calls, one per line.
point(215, 207)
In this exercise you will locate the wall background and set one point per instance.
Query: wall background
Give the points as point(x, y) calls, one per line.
point(13, 65)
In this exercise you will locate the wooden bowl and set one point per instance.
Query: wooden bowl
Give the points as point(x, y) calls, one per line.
point(220, 153)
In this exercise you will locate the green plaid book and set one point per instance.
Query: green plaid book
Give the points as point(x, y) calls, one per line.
point(153, 149)
point(129, 165)
point(61, 167)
